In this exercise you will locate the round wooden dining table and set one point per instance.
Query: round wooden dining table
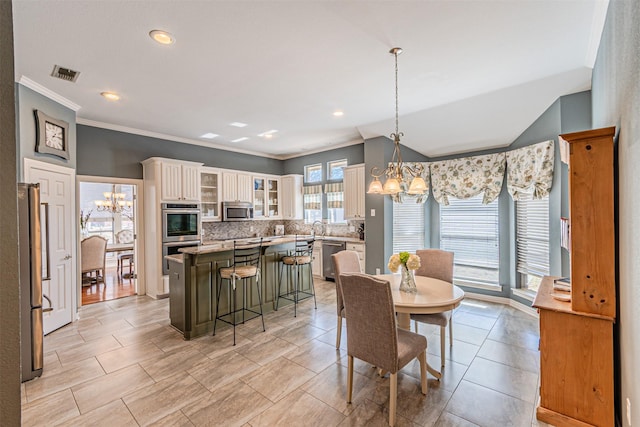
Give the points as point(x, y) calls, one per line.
point(433, 296)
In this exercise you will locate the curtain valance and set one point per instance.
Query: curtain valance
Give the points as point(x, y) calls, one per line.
point(335, 195)
point(530, 171)
point(312, 189)
point(467, 177)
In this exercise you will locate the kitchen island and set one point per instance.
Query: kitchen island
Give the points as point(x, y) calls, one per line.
point(194, 283)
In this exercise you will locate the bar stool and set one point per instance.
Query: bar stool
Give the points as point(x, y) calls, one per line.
point(246, 265)
point(302, 255)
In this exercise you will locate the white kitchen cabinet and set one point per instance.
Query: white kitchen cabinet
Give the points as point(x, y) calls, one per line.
point(236, 186)
point(266, 197)
point(179, 180)
point(360, 249)
point(354, 192)
point(291, 197)
point(316, 260)
point(210, 192)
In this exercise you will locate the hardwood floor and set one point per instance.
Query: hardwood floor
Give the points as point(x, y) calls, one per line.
point(113, 287)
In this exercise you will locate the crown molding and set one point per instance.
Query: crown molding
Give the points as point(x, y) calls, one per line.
point(158, 135)
point(37, 87)
point(320, 150)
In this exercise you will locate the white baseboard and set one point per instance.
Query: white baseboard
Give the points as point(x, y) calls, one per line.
point(502, 300)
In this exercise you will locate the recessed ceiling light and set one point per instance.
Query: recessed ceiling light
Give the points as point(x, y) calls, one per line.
point(209, 135)
point(111, 96)
point(338, 113)
point(244, 138)
point(162, 37)
point(238, 124)
point(268, 134)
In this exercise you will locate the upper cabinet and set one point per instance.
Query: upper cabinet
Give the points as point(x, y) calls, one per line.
point(354, 192)
point(210, 192)
point(266, 196)
point(179, 181)
point(236, 186)
point(291, 199)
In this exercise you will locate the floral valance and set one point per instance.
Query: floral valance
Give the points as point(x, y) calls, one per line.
point(467, 177)
point(530, 171)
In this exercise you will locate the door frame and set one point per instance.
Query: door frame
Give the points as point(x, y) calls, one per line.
point(75, 249)
point(141, 288)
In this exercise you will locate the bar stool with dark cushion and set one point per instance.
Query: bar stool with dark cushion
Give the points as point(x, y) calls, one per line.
point(301, 256)
point(246, 266)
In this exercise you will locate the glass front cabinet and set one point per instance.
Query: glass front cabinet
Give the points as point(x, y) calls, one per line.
point(266, 197)
point(210, 189)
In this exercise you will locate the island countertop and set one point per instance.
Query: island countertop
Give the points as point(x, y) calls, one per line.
point(227, 245)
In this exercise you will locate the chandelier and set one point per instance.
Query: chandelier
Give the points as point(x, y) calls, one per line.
point(398, 174)
point(113, 202)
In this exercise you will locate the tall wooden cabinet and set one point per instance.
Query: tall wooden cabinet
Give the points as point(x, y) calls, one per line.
point(576, 337)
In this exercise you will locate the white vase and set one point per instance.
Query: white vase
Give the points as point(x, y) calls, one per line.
point(407, 281)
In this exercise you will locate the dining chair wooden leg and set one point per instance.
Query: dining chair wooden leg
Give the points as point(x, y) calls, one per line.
point(442, 337)
point(393, 397)
point(339, 332)
point(349, 378)
point(422, 358)
point(415, 326)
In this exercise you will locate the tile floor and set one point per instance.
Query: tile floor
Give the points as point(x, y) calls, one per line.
point(122, 364)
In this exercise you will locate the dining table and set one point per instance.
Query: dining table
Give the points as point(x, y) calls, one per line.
point(433, 296)
point(119, 247)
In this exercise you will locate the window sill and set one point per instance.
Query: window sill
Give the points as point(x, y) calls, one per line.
point(494, 288)
point(522, 293)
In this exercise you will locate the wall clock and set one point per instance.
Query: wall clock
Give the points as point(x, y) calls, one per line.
point(52, 135)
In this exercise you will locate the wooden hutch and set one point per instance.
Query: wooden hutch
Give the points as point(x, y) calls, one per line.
point(576, 337)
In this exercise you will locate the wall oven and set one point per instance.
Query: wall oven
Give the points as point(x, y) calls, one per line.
point(237, 211)
point(172, 248)
point(180, 222)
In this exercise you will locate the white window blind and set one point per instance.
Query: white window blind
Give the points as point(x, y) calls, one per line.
point(532, 234)
point(470, 230)
point(408, 227)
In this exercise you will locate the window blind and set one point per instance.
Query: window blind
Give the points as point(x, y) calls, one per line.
point(532, 236)
point(470, 230)
point(408, 227)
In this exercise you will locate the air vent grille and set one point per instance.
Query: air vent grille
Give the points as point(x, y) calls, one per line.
point(65, 73)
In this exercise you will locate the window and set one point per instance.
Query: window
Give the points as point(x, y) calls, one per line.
point(532, 241)
point(335, 170)
point(313, 173)
point(335, 202)
point(469, 229)
point(408, 227)
point(312, 201)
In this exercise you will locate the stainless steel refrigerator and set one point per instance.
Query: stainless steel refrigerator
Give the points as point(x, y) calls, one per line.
point(33, 271)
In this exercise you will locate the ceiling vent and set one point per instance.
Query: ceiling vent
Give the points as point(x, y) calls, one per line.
point(65, 73)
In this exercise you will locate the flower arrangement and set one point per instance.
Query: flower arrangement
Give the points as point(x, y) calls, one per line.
point(84, 218)
point(410, 261)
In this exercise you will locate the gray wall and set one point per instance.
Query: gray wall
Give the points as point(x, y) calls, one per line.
point(9, 289)
point(616, 102)
point(104, 152)
point(28, 101)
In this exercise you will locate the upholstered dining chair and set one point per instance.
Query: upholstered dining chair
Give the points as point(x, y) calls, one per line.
point(93, 251)
point(438, 264)
point(125, 236)
point(372, 335)
point(343, 262)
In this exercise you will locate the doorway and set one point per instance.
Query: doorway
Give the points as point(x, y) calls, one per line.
point(108, 209)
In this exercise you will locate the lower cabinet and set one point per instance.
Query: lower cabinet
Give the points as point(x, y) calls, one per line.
point(576, 364)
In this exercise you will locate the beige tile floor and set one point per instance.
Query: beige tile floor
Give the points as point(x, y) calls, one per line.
point(122, 364)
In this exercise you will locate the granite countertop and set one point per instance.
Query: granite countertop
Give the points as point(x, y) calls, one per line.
point(227, 245)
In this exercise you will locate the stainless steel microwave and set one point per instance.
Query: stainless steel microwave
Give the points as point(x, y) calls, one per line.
point(180, 222)
point(237, 211)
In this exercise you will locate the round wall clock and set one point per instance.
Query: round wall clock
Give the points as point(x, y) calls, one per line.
point(51, 135)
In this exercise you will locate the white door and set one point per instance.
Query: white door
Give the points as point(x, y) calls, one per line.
point(57, 191)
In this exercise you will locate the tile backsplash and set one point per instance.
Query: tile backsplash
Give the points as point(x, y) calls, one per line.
point(242, 229)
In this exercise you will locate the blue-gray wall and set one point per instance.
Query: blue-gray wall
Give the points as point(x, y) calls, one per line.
point(28, 102)
point(104, 152)
point(616, 102)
